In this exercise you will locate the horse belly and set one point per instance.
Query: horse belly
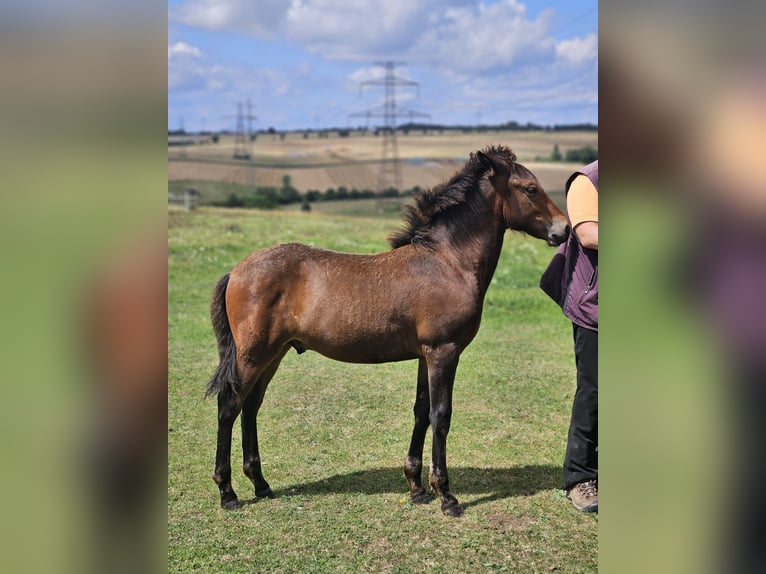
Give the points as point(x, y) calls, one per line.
point(377, 322)
point(363, 340)
point(371, 352)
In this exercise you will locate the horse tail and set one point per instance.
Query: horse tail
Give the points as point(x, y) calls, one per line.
point(225, 376)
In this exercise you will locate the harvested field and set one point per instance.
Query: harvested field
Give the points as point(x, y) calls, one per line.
point(354, 161)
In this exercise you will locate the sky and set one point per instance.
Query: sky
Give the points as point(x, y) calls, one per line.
point(302, 63)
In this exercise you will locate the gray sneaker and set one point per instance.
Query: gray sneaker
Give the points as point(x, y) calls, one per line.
point(584, 496)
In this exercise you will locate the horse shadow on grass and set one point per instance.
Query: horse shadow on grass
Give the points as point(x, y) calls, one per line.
point(493, 483)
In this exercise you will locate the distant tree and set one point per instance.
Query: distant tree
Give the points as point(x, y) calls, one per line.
point(234, 200)
point(389, 192)
point(305, 206)
point(556, 153)
point(287, 193)
point(260, 201)
point(582, 155)
point(215, 138)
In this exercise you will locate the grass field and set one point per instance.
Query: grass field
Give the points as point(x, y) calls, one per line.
point(333, 436)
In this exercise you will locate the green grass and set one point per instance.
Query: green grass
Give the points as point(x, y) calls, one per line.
point(212, 192)
point(333, 436)
point(390, 208)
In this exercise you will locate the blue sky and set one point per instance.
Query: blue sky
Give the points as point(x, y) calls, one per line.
point(301, 62)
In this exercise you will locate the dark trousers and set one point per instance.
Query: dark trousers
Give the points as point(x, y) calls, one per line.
point(742, 525)
point(581, 458)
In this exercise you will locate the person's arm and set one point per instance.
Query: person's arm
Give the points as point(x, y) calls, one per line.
point(582, 206)
point(587, 234)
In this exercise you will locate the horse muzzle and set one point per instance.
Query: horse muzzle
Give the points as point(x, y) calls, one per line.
point(558, 233)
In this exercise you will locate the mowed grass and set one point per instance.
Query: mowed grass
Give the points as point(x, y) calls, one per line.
point(333, 436)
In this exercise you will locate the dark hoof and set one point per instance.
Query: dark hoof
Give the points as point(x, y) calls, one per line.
point(264, 493)
point(452, 509)
point(421, 497)
point(230, 504)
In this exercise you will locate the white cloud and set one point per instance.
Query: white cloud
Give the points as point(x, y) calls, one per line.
point(484, 38)
point(456, 35)
point(183, 49)
point(578, 50)
point(261, 18)
point(189, 69)
point(363, 30)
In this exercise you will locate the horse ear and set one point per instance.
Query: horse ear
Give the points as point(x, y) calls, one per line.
point(484, 159)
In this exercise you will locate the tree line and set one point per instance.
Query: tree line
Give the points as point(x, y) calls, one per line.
point(271, 197)
point(584, 155)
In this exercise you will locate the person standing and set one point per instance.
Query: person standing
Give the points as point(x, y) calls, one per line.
point(580, 306)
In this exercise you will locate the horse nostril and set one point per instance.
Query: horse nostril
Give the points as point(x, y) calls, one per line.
point(559, 236)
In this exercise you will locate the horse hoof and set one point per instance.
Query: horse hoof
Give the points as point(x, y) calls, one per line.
point(230, 504)
point(421, 498)
point(264, 493)
point(452, 509)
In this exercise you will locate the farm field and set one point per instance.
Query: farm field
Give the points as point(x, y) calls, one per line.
point(353, 162)
point(333, 435)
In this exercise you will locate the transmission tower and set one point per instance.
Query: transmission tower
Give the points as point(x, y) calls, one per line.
point(390, 174)
point(183, 142)
point(242, 139)
point(243, 135)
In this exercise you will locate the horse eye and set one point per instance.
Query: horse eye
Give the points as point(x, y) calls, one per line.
point(531, 189)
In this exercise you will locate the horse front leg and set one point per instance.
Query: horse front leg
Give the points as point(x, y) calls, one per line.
point(228, 409)
point(413, 464)
point(441, 378)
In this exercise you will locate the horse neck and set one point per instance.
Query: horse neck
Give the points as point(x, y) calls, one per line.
point(477, 251)
point(493, 245)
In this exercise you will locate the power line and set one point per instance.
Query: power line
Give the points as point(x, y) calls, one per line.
point(242, 138)
point(390, 174)
point(242, 134)
point(574, 20)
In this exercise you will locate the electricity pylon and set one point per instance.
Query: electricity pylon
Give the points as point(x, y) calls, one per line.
point(242, 135)
point(390, 174)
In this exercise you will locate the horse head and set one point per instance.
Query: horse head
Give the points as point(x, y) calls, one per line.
point(522, 200)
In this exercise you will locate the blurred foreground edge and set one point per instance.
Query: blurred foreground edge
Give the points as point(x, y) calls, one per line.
point(682, 127)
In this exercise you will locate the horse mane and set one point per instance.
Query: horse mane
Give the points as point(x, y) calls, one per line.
point(430, 203)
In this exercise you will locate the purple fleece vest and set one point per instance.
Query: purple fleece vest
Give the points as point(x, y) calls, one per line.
point(581, 303)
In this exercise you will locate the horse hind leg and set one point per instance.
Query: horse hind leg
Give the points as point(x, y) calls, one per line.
point(251, 459)
point(413, 464)
point(228, 410)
